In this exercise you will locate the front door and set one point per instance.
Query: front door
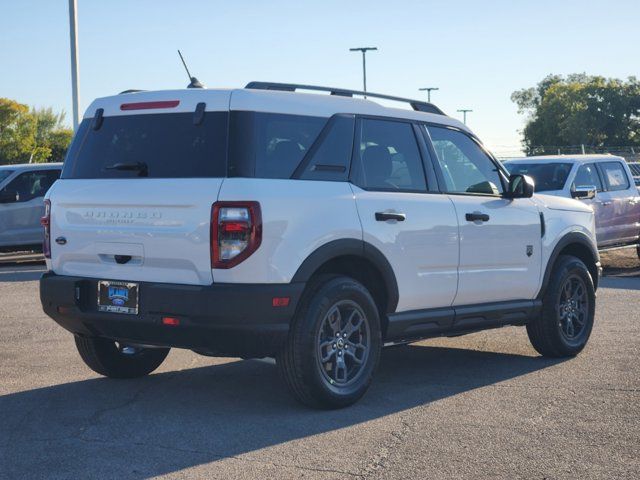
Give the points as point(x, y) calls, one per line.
point(20, 220)
point(415, 229)
point(500, 238)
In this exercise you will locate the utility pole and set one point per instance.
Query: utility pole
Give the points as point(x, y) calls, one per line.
point(464, 113)
point(364, 51)
point(428, 90)
point(73, 37)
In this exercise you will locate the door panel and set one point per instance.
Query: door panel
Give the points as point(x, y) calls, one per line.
point(620, 201)
point(500, 258)
point(417, 231)
point(422, 249)
point(20, 221)
point(500, 238)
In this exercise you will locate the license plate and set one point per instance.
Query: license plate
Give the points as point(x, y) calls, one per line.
point(118, 297)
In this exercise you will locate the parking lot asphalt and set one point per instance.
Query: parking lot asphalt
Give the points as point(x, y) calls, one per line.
point(479, 406)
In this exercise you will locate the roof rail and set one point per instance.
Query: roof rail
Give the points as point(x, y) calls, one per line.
point(132, 90)
point(292, 87)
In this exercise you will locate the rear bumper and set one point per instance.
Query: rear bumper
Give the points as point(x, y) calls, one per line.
point(219, 319)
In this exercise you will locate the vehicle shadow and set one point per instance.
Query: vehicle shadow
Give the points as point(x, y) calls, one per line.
point(171, 421)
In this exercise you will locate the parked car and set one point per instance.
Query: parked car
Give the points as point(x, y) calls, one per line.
point(635, 171)
point(310, 228)
point(22, 190)
point(603, 182)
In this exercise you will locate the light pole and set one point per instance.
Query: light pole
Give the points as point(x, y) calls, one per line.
point(464, 114)
point(73, 38)
point(364, 51)
point(428, 90)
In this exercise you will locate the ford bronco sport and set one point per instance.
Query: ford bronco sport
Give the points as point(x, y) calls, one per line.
point(308, 227)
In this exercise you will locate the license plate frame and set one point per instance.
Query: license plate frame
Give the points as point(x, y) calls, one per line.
point(118, 297)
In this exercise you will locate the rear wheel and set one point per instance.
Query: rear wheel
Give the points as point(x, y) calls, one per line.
point(119, 360)
point(334, 344)
point(568, 308)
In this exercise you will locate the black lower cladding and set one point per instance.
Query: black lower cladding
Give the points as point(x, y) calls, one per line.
point(218, 319)
point(452, 321)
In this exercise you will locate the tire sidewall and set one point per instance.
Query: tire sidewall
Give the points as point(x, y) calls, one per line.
point(327, 295)
point(568, 266)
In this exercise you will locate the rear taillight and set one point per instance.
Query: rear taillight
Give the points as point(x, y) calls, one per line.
point(46, 225)
point(236, 232)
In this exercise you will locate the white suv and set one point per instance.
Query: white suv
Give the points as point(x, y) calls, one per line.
point(311, 228)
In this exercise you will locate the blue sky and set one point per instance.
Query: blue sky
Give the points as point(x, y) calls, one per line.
point(477, 52)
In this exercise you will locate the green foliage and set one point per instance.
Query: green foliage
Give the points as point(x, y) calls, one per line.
point(31, 136)
point(580, 109)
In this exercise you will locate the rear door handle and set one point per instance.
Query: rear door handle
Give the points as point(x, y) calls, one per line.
point(477, 217)
point(384, 216)
point(605, 203)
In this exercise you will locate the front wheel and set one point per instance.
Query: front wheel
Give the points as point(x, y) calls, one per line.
point(568, 309)
point(334, 344)
point(119, 360)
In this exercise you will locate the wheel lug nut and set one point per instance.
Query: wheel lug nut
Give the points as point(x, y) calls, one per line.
point(334, 346)
point(344, 335)
point(339, 354)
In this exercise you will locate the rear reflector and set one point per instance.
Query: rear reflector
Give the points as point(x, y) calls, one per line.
point(280, 301)
point(150, 105)
point(170, 321)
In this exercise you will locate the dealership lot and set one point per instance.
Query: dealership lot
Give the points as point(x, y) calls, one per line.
point(479, 406)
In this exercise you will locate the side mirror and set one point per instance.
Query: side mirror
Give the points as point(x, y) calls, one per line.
point(8, 196)
point(520, 186)
point(584, 192)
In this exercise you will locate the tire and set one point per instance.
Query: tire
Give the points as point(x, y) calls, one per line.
point(332, 305)
point(114, 360)
point(566, 320)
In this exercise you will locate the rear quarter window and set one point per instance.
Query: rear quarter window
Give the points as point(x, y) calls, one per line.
point(269, 145)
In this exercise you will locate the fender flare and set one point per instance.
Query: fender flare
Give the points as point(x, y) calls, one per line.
point(357, 248)
point(568, 239)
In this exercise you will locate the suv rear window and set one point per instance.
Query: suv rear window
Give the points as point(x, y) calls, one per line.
point(169, 145)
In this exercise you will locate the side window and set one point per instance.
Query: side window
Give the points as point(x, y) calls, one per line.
point(465, 167)
point(30, 185)
point(615, 176)
point(587, 175)
point(331, 159)
point(281, 141)
point(387, 157)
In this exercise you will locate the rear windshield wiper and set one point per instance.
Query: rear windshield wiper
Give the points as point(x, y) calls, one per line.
point(140, 167)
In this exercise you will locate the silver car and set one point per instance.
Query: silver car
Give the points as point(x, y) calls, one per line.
point(602, 181)
point(22, 188)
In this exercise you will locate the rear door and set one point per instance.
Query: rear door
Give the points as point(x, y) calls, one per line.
point(621, 196)
point(134, 201)
point(20, 220)
point(402, 215)
point(500, 241)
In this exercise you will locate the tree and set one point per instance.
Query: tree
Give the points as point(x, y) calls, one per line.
point(31, 135)
point(17, 132)
point(580, 109)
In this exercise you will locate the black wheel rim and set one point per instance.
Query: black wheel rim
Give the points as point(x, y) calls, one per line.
point(573, 307)
point(343, 343)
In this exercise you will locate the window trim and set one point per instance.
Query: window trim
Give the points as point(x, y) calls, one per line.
point(356, 147)
point(605, 180)
point(317, 144)
point(500, 169)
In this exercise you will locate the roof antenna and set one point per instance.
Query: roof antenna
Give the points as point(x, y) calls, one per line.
point(193, 81)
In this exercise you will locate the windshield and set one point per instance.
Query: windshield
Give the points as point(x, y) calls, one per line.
point(547, 176)
point(4, 174)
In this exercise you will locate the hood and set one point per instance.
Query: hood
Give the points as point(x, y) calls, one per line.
point(553, 202)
